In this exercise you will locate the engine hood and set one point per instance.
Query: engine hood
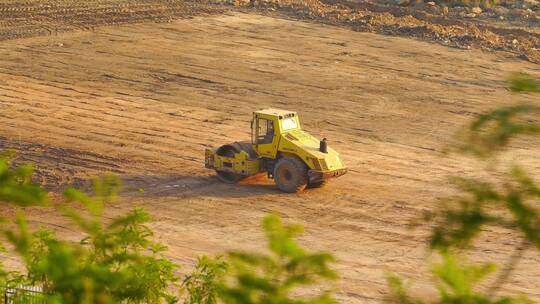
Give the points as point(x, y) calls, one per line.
point(306, 146)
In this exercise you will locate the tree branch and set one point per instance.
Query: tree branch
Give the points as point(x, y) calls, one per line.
point(510, 266)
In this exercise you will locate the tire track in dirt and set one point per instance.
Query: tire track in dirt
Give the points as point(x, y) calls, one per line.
point(56, 167)
point(98, 132)
point(35, 18)
point(75, 111)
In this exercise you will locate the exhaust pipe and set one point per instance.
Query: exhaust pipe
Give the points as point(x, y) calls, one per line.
point(323, 147)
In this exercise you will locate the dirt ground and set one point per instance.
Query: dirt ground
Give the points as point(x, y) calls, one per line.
point(144, 100)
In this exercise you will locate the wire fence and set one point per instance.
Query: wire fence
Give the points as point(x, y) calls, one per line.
point(22, 294)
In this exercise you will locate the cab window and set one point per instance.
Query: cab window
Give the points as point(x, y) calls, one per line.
point(289, 124)
point(265, 132)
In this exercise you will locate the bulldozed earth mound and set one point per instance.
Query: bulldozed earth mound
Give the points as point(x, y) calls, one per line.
point(34, 18)
point(430, 24)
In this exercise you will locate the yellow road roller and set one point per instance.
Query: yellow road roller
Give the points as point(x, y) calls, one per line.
point(292, 157)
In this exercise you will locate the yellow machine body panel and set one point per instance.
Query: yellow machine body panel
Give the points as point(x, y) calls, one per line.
point(240, 163)
point(306, 147)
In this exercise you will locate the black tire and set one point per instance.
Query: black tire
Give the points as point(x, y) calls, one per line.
point(319, 184)
point(224, 176)
point(290, 175)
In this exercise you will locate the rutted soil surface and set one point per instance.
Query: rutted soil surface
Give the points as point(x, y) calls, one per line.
point(144, 100)
point(37, 18)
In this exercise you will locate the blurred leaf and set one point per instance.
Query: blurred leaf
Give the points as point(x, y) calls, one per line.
point(203, 284)
point(399, 293)
point(457, 283)
point(273, 278)
point(520, 82)
point(491, 132)
point(16, 185)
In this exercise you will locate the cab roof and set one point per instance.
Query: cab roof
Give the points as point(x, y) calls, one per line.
point(276, 112)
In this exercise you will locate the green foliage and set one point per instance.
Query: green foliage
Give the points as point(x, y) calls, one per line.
point(480, 204)
point(491, 132)
point(523, 83)
point(273, 278)
point(203, 285)
point(16, 185)
point(509, 201)
point(506, 199)
point(456, 283)
point(457, 280)
point(116, 261)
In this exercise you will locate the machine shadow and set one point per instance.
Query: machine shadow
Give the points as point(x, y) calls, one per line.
point(183, 187)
